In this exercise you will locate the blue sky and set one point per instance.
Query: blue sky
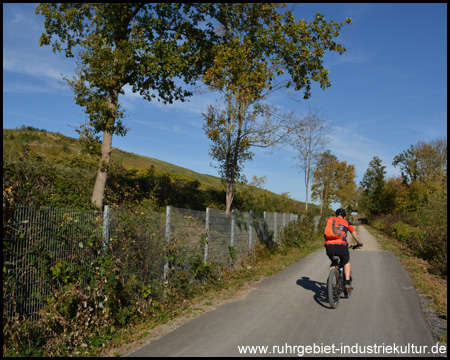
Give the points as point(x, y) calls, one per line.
point(389, 91)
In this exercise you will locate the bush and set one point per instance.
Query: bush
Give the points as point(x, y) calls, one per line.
point(413, 237)
point(88, 301)
point(432, 219)
point(204, 271)
point(407, 234)
point(386, 223)
point(36, 182)
point(299, 233)
point(424, 232)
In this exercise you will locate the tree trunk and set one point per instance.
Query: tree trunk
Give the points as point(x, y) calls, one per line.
point(229, 196)
point(102, 173)
point(307, 185)
point(230, 184)
point(306, 203)
point(234, 160)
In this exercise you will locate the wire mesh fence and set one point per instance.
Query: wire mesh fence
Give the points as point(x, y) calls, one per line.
point(35, 241)
point(138, 240)
point(39, 241)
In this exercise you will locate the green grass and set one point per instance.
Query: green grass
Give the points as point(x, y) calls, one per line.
point(131, 160)
point(58, 148)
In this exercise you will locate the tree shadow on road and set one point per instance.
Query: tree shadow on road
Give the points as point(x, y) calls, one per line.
point(318, 288)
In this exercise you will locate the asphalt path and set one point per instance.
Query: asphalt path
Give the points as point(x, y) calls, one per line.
point(288, 314)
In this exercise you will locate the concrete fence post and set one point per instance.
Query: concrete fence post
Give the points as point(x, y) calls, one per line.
point(250, 225)
point(232, 228)
point(106, 226)
point(275, 228)
point(264, 227)
point(166, 260)
point(205, 256)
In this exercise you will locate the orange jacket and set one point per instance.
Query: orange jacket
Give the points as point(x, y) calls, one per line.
point(344, 227)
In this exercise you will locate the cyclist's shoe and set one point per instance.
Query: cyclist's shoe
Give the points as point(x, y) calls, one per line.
point(348, 285)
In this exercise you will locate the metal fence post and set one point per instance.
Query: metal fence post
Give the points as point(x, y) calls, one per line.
point(250, 225)
point(205, 256)
point(316, 223)
point(264, 227)
point(166, 260)
point(275, 229)
point(106, 224)
point(232, 227)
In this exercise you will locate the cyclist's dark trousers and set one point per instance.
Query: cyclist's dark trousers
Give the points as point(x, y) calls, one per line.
point(338, 250)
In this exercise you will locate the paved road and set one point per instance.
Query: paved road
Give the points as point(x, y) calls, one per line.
point(288, 313)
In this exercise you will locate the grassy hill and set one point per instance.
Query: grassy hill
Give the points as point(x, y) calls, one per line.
point(133, 178)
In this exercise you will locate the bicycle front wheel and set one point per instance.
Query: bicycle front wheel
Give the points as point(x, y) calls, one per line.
point(333, 288)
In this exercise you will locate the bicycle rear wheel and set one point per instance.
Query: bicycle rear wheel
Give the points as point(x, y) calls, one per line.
point(333, 288)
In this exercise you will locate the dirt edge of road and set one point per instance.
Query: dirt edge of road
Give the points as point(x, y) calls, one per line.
point(436, 324)
point(194, 310)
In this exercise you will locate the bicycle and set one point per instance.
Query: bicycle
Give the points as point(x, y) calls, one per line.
point(336, 281)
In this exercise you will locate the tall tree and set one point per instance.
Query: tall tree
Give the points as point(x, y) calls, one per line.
point(323, 179)
point(144, 45)
point(346, 189)
point(233, 140)
point(424, 172)
point(426, 161)
point(263, 49)
point(373, 188)
point(334, 181)
point(308, 138)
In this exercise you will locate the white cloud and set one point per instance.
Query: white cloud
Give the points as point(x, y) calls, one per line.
point(194, 105)
point(21, 19)
point(359, 150)
point(353, 58)
point(159, 125)
point(356, 11)
point(21, 88)
point(22, 54)
point(37, 67)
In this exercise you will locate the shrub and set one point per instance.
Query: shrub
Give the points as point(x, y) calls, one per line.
point(432, 218)
point(424, 232)
point(204, 271)
point(407, 234)
point(413, 237)
point(387, 222)
point(299, 233)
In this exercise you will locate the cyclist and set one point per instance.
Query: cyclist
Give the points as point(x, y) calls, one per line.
point(339, 246)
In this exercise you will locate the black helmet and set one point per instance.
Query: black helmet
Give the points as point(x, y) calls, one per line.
point(341, 212)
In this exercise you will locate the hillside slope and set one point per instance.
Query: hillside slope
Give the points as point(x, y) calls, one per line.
point(65, 151)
